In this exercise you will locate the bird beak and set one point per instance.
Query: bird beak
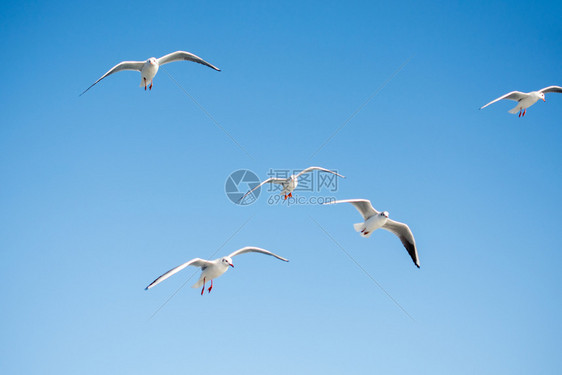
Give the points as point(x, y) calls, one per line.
point(544, 100)
point(231, 265)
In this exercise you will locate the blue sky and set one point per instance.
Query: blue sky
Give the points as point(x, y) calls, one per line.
point(102, 193)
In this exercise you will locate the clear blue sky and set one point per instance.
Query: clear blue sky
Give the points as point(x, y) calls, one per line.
point(100, 194)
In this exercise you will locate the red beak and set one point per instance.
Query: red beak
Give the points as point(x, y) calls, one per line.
point(543, 99)
point(231, 265)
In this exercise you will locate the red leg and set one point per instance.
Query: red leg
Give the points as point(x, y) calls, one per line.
point(525, 110)
point(290, 195)
point(202, 290)
point(144, 84)
point(211, 287)
point(519, 113)
point(285, 197)
point(150, 87)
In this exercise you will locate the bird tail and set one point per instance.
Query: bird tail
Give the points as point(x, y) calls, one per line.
point(359, 227)
point(142, 82)
point(515, 110)
point(198, 284)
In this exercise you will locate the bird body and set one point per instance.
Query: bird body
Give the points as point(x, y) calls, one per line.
point(148, 71)
point(290, 185)
point(375, 220)
point(149, 68)
point(211, 269)
point(525, 99)
point(371, 224)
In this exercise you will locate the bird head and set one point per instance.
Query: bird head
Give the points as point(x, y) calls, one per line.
point(152, 60)
point(227, 261)
point(385, 214)
point(541, 95)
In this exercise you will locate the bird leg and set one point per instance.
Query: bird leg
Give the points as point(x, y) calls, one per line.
point(525, 110)
point(150, 87)
point(144, 84)
point(519, 113)
point(202, 290)
point(290, 195)
point(285, 197)
point(211, 287)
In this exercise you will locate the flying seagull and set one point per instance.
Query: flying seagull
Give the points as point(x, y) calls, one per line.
point(375, 220)
point(290, 184)
point(149, 68)
point(525, 99)
point(211, 269)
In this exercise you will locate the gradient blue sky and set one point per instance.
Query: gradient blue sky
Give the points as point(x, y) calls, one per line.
point(100, 194)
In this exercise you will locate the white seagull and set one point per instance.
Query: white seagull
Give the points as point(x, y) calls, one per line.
point(149, 68)
point(211, 269)
point(375, 220)
point(525, 99)
point(290, 184)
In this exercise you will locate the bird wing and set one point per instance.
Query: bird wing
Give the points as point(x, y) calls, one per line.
point(250, 249)
point(125, 65)
point(271, 180)
point(182, 55)
point(310, 169)
point(197, 262)
point(364, 206)
point(405, 234)
point(514, 95)
point(551, 89)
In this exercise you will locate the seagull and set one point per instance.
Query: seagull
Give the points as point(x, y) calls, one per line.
point(211, 269)
point(525, 99)
point(149, 68)
point(290, 184)
point(375, 220)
